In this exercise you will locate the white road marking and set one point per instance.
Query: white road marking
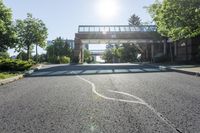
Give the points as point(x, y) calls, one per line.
point(105, 97)
point(127, 94)
point(139, 101)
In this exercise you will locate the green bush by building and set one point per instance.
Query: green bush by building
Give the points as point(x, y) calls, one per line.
point(59, 59)
point(15, 64)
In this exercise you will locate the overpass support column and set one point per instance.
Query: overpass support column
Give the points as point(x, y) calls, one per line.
point(78, 51)
point(82, 54)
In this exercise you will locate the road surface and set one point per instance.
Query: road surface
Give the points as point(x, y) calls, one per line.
point(119, 98)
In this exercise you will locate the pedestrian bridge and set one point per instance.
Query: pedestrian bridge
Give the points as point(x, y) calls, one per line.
point(114, 34)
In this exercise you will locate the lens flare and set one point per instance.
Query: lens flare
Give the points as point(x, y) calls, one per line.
point(107, 9)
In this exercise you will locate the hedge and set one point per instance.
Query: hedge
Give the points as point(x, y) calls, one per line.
point(15, 64)
point(59, 59)
point(64, 60)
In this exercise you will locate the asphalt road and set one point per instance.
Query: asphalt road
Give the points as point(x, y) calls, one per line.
point(123, 98)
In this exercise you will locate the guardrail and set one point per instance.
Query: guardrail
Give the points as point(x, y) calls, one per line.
point(115, 28)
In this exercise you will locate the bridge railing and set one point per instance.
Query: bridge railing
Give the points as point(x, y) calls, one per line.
point(115, 28)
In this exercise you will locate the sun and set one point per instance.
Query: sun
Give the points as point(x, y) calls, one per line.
point(107, 9)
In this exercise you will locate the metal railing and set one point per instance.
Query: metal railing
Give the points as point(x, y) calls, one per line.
point(115, 28)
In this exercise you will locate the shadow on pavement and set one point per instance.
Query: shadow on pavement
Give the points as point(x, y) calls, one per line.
point(69, 70)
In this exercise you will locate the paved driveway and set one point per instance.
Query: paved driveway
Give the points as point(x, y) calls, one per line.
point(62, 70)
point(122, 98)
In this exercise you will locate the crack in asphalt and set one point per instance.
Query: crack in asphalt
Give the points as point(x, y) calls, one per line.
point(137, 101)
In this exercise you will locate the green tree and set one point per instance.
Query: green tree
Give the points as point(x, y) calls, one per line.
point(108, 54)
point(117, 51)
point(7, 32)
point(30, 31)
point(41, 36)
point(129, 53)
point(123, 53)
point(4, 55)
point(134, 20)
point(22, 55)
point(177, 19)
point(87, 56)
point(58, 49)
point(43, 58)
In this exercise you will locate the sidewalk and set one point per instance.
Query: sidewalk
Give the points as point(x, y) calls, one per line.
point(186, 69)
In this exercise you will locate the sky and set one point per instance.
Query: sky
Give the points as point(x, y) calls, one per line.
point(62, 17)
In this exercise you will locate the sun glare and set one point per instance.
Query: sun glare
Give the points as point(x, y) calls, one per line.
point(107, 9)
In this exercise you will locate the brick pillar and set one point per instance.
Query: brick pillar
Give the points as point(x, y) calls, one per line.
point(82, 54)
point(78, 53)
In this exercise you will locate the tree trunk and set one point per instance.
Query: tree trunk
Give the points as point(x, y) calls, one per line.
point(186, 50)
point(36, 49)
point(28, 52)
point(171, 54)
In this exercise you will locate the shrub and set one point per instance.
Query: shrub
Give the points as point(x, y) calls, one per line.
point(42, 58)
point(15, 65)
point(52, 60)
point(59, 60)
point(64, 60)
point(22, 56)
point(4, 55)
point(160, 58)
point(75, 60)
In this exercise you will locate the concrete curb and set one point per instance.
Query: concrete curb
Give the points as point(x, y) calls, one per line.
point(12, 79)
point(175, 70)
point(185, 72)
point(29, 72)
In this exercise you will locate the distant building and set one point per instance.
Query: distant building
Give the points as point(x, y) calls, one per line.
point(69, 42)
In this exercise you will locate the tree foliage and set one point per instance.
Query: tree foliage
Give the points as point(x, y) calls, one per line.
point(129, 53)
point(4, 55)
point(108, 54)
point(134, 20)
point(22, 55)
point(177, 19)
point(30, 31)
point(58, 50)
point(7, 32)
point(87, 56)
point(123, 53)
point(40, 58)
